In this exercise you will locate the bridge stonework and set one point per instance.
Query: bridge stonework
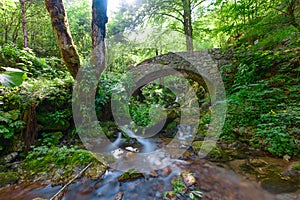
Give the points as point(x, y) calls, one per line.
point(200, 66)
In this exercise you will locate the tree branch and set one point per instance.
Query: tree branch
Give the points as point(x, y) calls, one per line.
point(197, 4)
point(169, 15)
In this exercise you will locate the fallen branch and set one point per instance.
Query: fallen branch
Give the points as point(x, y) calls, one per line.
point(71, 181)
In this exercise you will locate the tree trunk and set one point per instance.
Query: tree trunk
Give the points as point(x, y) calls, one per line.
point(31, 131)
point(187, 23)
point(292, 5)
point(22, 2)
point(99, 21)
point(61, 28)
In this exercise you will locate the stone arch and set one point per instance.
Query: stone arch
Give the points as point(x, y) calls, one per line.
point(200, 66)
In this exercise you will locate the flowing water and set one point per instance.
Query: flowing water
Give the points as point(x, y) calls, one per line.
point(159, 169)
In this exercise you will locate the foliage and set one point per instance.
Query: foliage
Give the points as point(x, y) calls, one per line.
point(55, 92)
point(263, 101)
point(80, 25)
point(10, 123)
point(42, 156)
point(40, 33)
point(51, 139)
point(180, 188)
point(26, 60)
point(11, 77)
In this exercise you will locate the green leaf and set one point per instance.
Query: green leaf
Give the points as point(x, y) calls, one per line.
point(12, 77)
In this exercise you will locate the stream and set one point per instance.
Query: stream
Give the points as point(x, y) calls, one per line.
point(233, 179)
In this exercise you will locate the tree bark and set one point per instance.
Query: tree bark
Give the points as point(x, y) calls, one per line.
point(99, 20)
point(187, 23)
point(62, 32)
point(23, 10)
point(291, 9)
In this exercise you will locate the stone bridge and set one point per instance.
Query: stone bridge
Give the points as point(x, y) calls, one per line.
point(200, 66)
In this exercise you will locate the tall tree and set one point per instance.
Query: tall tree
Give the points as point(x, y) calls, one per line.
point(61, 28)
point(180, 11)
point(187, 24)
point(24, 21)
point(99, 20)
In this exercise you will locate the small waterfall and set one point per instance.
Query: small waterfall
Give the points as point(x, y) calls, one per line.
point(116, 143)
point(184, 132)
point(148, 146)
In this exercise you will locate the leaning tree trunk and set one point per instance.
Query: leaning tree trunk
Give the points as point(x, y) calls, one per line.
point(187, 23)
point(99, 21)
point(61, 28)
point(23, 10)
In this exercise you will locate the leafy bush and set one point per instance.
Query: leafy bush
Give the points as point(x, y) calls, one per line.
point(263, 101)
point(27, 61)
point(42, 156)
point(10, 123)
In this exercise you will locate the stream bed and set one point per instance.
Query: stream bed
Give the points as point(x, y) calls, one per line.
point(242, 175)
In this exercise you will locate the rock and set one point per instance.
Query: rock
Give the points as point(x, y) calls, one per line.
point(286, 157)
point(277, 184)
point(207, 148)
point(153, 174)
point(118, 153)
point(86, 190)
point(7, 178)
point(95, 171)
point(97, 185)
point(188, 178)
point(166, 171)
point(10, 157)
point(131, 149)
point(171, 195)
point(119, 196)
point(295, 166)
point(130, 175)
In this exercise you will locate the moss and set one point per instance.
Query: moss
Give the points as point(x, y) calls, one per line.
point(276, 184)
point(59, 164)
point(130, 175)
point(207, 147)
point(296, 166)
point(7, 178)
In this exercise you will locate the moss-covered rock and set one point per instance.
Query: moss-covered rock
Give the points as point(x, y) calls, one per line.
point(207, 148)
point(60, 164)
point(296, 166)
point(7, 178)
point(130, 175)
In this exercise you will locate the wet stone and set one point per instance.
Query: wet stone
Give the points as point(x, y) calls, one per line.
point(86, 190)
point(119, 196)
point(130, 175)
point(166, 171)
point(153, 174)
point(97, 185)
point(188, 178)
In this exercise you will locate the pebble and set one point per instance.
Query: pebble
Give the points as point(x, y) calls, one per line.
point(119, 196)
point(153, 174)
point(97, 185)
point(166, 171)
point(10, 157)
point(188, 178)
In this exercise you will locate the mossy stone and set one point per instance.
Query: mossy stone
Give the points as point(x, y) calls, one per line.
point(207, 147)
point(296, 166)
point(130, 175)
point(7, 178)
